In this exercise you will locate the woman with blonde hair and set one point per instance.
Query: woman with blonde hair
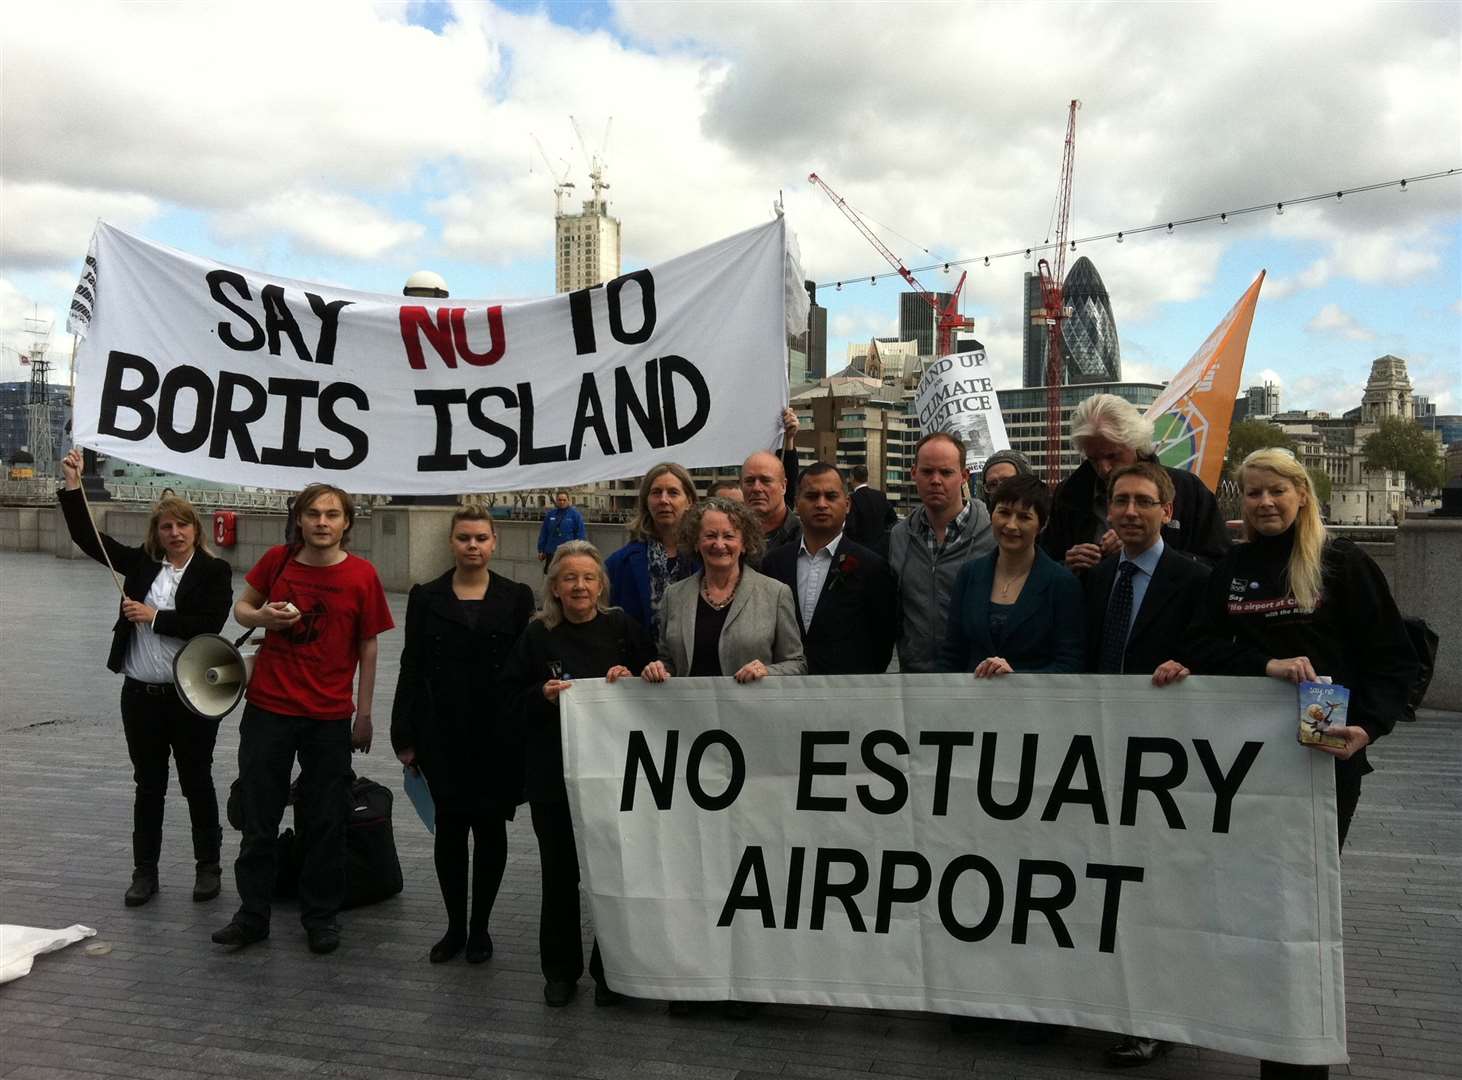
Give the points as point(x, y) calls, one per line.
point(641, 571)
point(576, 636)
point(1295, 603)
point(173, 590)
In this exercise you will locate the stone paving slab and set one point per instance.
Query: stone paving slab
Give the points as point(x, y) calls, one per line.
point(166, 1004)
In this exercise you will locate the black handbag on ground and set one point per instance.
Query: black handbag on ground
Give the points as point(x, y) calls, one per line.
point(372, 868)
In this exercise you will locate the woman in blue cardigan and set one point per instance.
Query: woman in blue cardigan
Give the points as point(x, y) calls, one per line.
point(1016, 609)
point(640, 571)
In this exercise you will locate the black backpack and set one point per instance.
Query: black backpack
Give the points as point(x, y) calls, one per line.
point(1424, 642)
point(372, 869)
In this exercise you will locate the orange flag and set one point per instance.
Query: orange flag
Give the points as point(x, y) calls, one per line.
point(1191, 417)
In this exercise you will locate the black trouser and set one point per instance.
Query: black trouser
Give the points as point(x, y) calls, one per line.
point(560, 946)
point(268, 744)
point(1347, 797)
point(489, 857)
point(158, 724)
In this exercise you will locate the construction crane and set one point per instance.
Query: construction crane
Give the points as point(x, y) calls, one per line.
point(1054, 304)
point(596, 161)
point(947, 318)
point(561, 181)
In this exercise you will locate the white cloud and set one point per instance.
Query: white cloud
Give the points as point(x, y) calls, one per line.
point(357, 135)
point(1311, 277)
point(48, 225)
point(1331, 320)
point(322, 223)
point(1266, 375)
point(1328, 389)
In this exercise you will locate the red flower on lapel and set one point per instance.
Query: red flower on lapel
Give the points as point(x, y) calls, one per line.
point(847, 564)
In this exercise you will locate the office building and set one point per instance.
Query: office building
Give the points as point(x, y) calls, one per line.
point(586, 247)
point(1090, 351)
point(15, 419)
point(1263, 400)
point(917, 321)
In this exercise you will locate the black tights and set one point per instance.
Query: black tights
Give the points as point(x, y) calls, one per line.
point(489, 857)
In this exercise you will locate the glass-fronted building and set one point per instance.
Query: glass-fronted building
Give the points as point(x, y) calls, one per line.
point(1090, 352)
point(1089, 334)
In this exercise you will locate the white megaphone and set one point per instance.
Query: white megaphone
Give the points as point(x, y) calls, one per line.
point(211, 673)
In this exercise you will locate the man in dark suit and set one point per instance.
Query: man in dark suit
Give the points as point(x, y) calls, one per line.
point(1139, 601)
point(869, 515)
point(1138, 605)
point(847, 601)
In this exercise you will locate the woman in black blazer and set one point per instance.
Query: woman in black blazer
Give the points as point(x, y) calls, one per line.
point(1016, 609)
point(446, 723)
point(174, 591)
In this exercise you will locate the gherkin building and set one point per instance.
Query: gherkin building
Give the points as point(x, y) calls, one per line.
point(1089, 333)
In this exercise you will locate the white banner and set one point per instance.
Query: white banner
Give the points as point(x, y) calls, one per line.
point(250, 378)
point(1083, 850)
point(956, 394)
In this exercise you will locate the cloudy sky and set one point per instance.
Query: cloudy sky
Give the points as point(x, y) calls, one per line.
point(353, 144)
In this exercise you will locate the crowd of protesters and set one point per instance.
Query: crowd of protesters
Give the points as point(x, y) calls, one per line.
point(1126, 568)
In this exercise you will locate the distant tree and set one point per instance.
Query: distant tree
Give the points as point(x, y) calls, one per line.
point(1405, 446)
point(1249, 435)
point(1321, 481)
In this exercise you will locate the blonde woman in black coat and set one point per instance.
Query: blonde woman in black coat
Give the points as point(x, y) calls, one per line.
point(174, 590)
point(460, 629)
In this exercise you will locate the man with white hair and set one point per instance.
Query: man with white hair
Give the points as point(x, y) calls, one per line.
point(1110, 433)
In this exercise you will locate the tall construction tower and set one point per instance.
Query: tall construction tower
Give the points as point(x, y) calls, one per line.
point(586, 244)
point(43, 407)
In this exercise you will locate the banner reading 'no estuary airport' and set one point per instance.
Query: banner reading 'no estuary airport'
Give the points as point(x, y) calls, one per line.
point(245, 377)
point(1069, 849)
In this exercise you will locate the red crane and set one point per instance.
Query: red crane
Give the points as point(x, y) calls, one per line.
point(1055, 305)
point(947, 318)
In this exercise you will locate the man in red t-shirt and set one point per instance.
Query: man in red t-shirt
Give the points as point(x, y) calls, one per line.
point(321, 608)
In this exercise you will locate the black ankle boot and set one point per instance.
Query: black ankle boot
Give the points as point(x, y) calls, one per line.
point(143, 887)
point(207, 881)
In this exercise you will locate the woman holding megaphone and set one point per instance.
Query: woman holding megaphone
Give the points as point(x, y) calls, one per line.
point(172, 590)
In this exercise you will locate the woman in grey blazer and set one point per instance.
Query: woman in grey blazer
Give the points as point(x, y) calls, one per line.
point(727, 619)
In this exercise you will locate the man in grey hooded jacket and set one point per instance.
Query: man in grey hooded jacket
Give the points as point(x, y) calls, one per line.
point(928, 548)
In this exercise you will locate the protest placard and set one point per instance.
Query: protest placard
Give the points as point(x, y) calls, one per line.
point(1084, 850)
point(956, 394)
point(246, 377)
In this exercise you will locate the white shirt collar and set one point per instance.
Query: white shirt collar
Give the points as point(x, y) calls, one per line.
point(831, 548)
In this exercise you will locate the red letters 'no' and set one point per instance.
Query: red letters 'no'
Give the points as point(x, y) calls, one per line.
point(448, 336)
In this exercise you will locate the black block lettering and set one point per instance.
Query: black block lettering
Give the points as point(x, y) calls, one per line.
point(811, 767)
point(734, 782)
point(1133, 781)
point(332, 395)
point(637, 756)
point(886, 770)
point(217, 279)
point(890, 893)
point(114, 397)
point(1050, 906)
point(823, 888)
point(184, 440)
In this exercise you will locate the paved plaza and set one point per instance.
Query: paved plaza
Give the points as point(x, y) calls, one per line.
point(165, 1004)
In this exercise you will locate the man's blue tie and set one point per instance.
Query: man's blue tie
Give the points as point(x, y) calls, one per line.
point(1119, 614)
